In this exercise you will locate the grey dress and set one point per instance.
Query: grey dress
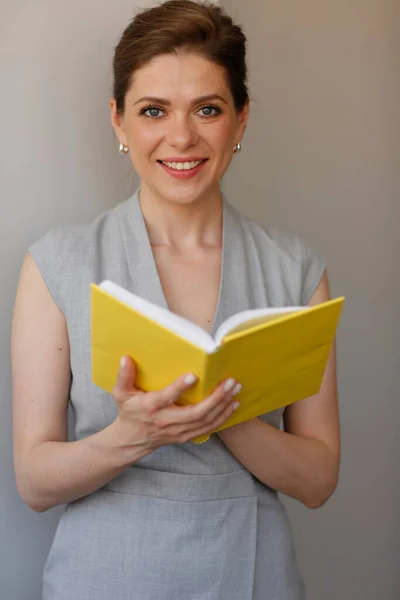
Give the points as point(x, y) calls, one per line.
point(188, 521)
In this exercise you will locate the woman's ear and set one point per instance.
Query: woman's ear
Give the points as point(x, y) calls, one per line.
point(117, 121)
point(243, 117)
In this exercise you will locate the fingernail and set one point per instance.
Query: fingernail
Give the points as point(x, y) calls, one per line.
point(190, 379)
point(237, 389)
point(123, 362)
point(229, 385)
point(236, 405)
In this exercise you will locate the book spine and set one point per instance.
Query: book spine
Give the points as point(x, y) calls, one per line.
point(209, 381)
point(212, 373)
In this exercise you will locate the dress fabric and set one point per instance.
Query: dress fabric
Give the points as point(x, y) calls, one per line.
point(187, 521)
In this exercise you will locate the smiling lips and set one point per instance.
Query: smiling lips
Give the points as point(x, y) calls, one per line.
point(182, 168)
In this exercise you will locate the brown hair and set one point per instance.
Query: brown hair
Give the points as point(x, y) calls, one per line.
point(201, 28)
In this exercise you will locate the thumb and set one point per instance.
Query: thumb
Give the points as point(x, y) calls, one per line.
point(125, 383)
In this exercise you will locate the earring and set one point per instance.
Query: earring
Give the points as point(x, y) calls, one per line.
point(237, 148)
point(123, 149)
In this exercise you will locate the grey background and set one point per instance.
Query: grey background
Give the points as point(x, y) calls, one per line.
point(320, 158)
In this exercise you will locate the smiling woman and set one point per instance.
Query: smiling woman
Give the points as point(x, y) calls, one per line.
point(166, 110)
point(149, 514)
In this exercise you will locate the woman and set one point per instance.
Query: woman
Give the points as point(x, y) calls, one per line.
point(149, 514)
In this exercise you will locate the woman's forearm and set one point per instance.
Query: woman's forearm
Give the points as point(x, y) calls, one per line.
point(300, 467)
point(60, 472)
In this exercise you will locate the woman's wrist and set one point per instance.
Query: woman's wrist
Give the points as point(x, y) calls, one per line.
point(119, 439)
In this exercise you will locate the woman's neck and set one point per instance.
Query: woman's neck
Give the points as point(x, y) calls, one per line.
point(182, 226)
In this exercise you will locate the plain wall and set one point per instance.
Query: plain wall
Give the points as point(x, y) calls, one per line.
point(321, 158)
point(58, 164)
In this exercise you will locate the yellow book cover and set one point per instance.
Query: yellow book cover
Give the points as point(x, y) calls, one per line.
point(279, 355)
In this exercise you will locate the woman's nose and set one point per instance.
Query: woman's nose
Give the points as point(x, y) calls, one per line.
point(181, 133)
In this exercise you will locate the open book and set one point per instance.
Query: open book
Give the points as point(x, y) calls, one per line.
point(277, 354)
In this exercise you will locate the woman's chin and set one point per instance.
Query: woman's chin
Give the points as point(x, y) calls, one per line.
point(185, 193)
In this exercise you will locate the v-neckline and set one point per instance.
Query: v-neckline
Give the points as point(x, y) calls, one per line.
point(154, 290)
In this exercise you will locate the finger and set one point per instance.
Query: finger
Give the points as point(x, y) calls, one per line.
point(222, 406)
point(229, 401)
point(200, 430)
point(215, 403)
point(125, 383)
point(169, 395)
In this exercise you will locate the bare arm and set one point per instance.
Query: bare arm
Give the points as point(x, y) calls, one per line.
point(49, 469)
point(302, 461)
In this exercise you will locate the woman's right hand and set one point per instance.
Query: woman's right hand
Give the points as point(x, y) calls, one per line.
point(153, 419)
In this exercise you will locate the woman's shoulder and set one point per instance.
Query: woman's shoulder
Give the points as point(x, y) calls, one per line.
point(75, 238)
point(283, 242)
point(66, 254)
point(284, 253)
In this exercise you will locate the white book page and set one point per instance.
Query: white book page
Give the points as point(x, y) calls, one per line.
point(249, 318)
point(182, 327)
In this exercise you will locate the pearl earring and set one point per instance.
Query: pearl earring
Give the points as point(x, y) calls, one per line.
point(237, 148)
point(123, 149)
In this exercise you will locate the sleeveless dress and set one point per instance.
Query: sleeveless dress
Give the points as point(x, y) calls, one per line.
point(187, 522)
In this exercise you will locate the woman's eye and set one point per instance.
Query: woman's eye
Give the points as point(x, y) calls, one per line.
point(155, 113)
point(209, 111)
point(152, 112)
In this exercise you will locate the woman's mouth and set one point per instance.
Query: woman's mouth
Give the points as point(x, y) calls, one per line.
point(183, 169)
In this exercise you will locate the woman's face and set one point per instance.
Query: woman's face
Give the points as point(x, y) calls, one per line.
point(181, 126)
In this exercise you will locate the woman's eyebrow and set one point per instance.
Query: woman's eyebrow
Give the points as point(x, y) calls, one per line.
point(165, 102)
